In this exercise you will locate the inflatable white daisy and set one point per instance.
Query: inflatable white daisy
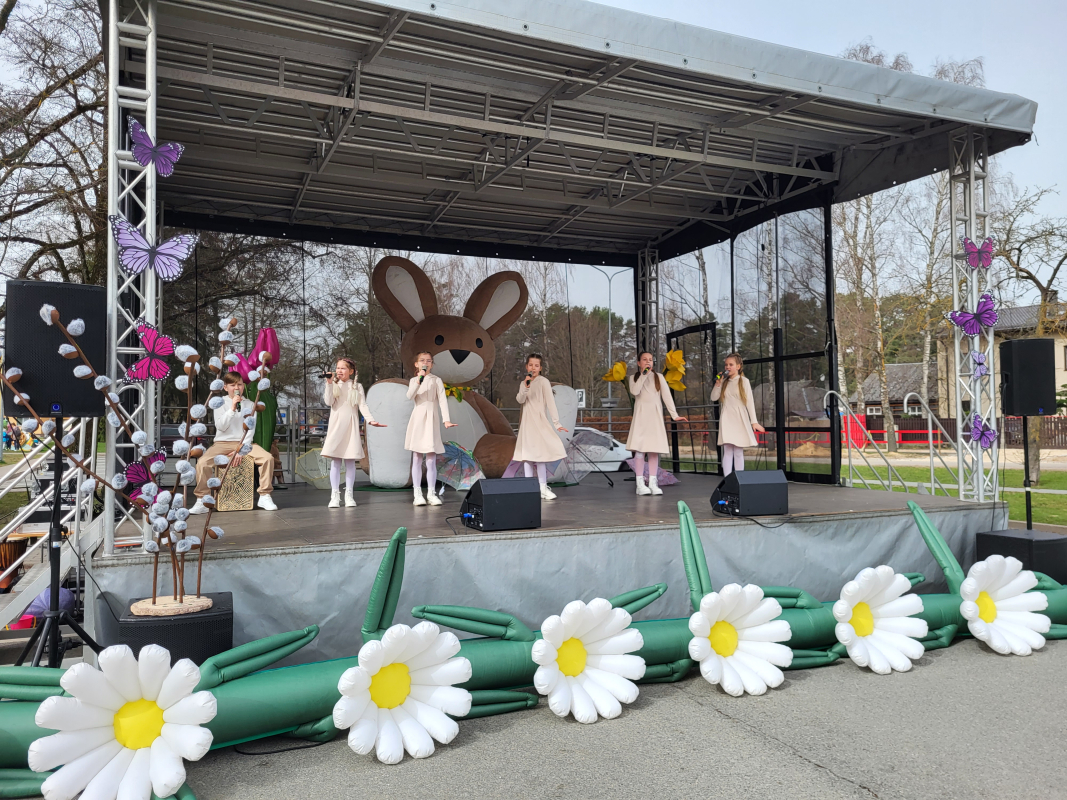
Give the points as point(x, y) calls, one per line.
point(583, 661)
point(999, 606)
point(736, 637)
point(875, 622)
point(126, 729)
point(398, 697)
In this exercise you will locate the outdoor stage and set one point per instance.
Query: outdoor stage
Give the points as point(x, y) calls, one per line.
point(306, 564)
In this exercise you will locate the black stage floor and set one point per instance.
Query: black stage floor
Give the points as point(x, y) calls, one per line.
point(303, 519)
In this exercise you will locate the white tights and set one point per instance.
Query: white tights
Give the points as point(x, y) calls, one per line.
point(542, 471)
point(431, 470)
point(653, 464)
point(335, 473)
point(733, 459)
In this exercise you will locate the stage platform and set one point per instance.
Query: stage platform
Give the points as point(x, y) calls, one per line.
point(306, 564)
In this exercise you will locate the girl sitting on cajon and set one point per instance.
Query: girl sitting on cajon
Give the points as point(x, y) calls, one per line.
point(424, 428)
point(537, 444)
point(648, 433)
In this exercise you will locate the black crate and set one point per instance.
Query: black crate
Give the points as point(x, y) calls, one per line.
point(1040, 551)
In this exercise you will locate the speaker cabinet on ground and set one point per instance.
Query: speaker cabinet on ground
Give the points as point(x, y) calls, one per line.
point(1028, 377)
point(197, 636)
point(752, 493)
point(33, 347)
point(1038, 550)
point(502, 504)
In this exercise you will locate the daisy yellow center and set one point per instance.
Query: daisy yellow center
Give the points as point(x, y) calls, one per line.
point(138, 724)
point(723, 638)
point(571, 657)
point(862, 619)
point(987, 609)
point(391, 686)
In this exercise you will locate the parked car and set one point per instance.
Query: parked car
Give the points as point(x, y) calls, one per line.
point(615, 460)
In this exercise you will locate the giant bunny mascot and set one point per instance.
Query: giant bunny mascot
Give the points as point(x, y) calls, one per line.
point(464, 351)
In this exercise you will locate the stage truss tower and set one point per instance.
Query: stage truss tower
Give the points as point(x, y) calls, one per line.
point(131, 193)
point(974, 394)
point(646, 301)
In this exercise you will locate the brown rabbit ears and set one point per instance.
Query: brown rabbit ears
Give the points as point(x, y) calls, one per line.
point(408, 297)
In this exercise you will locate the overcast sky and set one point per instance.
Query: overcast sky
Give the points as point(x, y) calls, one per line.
point(1021, 43)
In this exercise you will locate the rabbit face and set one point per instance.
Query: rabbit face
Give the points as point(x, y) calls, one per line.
point(463, 351)
point(462, 346)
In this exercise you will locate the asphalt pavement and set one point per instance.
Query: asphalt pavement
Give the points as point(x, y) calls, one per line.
point(963, 723)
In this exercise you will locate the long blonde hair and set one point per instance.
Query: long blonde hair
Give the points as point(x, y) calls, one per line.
point(740, 375)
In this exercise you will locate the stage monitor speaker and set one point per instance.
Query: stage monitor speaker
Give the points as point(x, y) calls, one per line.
point(1038, 550)
point(33, 347)
point(197, 636)
point(1028, 377)
point(502, 504)
point(752, 493)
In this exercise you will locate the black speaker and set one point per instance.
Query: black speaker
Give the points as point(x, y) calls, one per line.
point(1028, 377)
point(502, 504)
point(752, 493)
point(197, 636)
point(33, 347)
point(1038, 550)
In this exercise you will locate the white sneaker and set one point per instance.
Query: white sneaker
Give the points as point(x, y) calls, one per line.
point(419, 499)
point(335, 499)
point(266, 503)
point(350, 501)
point(641, 488)
point(198, 507)
point(547, 494)
point(653, 486)
point(432, 498)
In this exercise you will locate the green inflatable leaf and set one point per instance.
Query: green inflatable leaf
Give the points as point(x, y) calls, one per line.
point(381, 607)
point(693, 558)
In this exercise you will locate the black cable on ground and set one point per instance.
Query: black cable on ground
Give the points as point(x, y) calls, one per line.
point(456, 516)
point(304, 746)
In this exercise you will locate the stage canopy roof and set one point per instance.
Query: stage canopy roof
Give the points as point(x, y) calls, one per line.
point(536, 129)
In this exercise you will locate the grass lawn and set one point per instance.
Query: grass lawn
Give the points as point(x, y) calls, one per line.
point(10, 503)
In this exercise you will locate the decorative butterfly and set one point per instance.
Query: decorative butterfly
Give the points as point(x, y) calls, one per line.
point(137, 474)
point(982, 433)
point(978, 255)
point(154, 365)
point(136, 254)
point(984, 316)
point(980, 367)
point(164, 156)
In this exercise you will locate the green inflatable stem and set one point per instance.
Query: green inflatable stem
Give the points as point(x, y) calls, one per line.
point(789, 597)
point(321, 731)
point(939, 548)
point(252, 657)
point(1045, 582)
point(940, 637)
point(385, 591)
point(9, 691)
point(30, 676)
point(21, 782)
point(693, 559)
point(480, 621)
point(183, 793)
point(489, 702)
point(807, 659)
point(633, 601)
point(1056, 631)
point(668, 673)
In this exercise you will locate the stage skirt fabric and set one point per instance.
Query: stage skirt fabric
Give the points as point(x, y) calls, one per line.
point(648, 434)
point(424, 426)
point(735, 418)
point(537, 439)
point(342, 434)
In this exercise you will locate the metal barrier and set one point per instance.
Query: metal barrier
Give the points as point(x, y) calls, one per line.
point(852, 471)
point(931, 421)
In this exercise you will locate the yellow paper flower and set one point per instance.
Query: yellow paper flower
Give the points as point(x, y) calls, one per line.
point(674, 379)
point(456, 391)
point(617, 373)
point(674, 361)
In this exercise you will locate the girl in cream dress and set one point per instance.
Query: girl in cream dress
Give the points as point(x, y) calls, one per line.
point(648, 434)
point(424, 427)
point(737, 414)
point(537, 444)
point(346, 400)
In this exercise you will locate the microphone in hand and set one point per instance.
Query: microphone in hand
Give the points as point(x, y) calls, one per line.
point(529, 377)
point(422, 373)
point(646, 370)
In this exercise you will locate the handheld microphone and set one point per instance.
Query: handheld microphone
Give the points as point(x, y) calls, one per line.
point(529, 377)
point(326, 375)
point(422, 373)
point(646, 370)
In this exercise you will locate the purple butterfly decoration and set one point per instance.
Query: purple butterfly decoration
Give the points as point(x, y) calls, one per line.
point(982, 433)
point(164, 156)
point(136, 254)
point(980, 367)
point(154, 365)
point(137, 474)
point(984, 316)
point(978, 255)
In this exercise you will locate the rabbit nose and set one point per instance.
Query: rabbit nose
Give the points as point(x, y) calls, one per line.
point(459, 355)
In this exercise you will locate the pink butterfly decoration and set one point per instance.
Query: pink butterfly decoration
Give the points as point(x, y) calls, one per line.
point(157, 347)
point(137, 475)
point(978, 255)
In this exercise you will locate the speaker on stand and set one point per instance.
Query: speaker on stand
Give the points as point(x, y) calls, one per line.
point(55, 392)
point(1027, 389)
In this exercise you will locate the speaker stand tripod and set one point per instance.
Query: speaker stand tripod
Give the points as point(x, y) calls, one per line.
point(48, 633)
point(1026, 474)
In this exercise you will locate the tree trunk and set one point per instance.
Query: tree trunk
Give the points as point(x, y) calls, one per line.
point(879, 333)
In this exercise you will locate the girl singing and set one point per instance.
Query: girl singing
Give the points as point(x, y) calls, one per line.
point(424, 428)
point(344, 396)
point(537, 443)
point(648, 434)
point(737, 416)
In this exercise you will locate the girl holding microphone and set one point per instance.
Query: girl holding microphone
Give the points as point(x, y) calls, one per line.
point(648, 434)
point(424, 428)
point(537, 443)
point(346, 400)
point(737, 416)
